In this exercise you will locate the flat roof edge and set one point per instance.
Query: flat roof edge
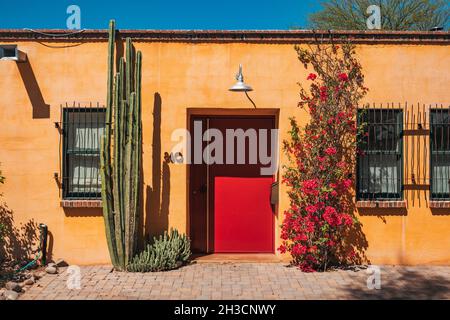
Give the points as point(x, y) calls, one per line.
point(263, 36)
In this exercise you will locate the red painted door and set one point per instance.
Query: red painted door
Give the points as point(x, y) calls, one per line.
point(239, 217)
point(243, 218)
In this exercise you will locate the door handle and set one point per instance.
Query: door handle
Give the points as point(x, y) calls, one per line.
point(274, 193)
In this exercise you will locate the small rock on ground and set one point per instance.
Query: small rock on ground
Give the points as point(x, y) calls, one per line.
point(11, 295)
point(39, 274)
point(51, 270)
point(29, 281)
point(13, 286)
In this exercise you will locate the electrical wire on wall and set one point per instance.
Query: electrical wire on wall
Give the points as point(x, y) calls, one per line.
point(55, 35)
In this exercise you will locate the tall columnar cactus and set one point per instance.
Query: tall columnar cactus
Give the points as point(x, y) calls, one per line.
point(121, 153)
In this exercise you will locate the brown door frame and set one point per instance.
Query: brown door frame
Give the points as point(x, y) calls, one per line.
point(205, 113)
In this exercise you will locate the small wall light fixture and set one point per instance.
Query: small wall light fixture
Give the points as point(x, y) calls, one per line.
point(240, 85)
point(176, 157)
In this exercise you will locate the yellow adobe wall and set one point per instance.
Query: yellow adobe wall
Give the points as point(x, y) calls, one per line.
point(186, 75)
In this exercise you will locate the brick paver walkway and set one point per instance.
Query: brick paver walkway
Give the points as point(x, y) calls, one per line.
point(231, 281)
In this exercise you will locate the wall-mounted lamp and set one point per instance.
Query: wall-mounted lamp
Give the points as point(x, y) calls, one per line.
point(176, 157)
point(240, 85)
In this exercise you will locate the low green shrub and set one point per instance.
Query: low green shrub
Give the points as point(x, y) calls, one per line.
point(169, 251)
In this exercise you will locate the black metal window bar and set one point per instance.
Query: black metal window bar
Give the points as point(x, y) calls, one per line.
point(440, 153)
point(380, 157)
point(82, 128)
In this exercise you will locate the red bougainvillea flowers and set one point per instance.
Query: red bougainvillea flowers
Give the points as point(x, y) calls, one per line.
point(322, 160)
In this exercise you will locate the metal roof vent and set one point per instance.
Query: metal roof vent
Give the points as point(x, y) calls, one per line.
point(10, 52)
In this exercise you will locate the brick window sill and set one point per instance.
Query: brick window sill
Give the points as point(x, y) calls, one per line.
point(81, 203)
point(381, 204)
point(439, 204)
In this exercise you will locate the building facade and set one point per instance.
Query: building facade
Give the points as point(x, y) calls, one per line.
point(52, 115)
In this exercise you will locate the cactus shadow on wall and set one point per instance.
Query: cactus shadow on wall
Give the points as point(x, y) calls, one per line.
point(158, 194)
point(41, 110)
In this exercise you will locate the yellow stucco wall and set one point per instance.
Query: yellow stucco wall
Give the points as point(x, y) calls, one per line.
point(187, 75)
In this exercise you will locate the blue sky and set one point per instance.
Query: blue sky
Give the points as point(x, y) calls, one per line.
point(160, 14)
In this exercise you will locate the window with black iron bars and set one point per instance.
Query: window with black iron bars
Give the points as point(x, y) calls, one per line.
point(82, 129)
point(380, 156)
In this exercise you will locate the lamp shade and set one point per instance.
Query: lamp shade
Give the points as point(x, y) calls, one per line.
point(240, 85)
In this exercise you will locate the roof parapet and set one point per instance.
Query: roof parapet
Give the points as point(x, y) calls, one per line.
point(245, 36)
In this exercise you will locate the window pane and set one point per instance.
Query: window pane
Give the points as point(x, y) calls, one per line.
point(382, 130)
point(441, 175)
point(440, 130)
point(379, 174)
point(84, 174)
point(85, 130)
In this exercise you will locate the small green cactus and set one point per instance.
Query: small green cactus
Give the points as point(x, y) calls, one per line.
point(169, 251)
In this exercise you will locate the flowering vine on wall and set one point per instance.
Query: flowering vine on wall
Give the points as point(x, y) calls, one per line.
point(320, 228)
